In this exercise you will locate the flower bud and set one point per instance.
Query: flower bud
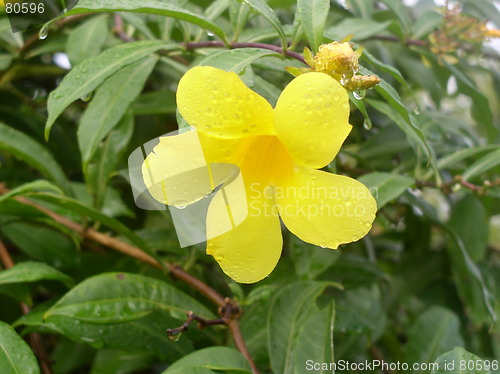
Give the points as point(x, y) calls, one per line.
point(337, 60)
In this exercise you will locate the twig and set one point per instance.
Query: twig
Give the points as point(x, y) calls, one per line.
point(58, 24)
point(175, 270)
point(217, 44)
point(449, 187)
point(119, 30)
point(35, 338)
point(5, 257)
point(202, 323)
point(389, 38)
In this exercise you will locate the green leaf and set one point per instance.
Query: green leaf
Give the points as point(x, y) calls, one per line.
point(369, 316)
point(121, 297)
point(108, 157)
point(80, 208)
point(32, 272)
point(362, 8)
point(386, 68)
point(470, 282)
point(34, 154)
point(459, 361)
point(485, 163)
point(42, 243)
point(159, 7)
point(237, 59)
point(87, 39)
point(208, 359)
point(473, 231)
point(312, 17)
point(158, 102)
point(110, 103)
point(215, 9)
point(403, 121)
point(16, 356)
point(39, 185)
point(435, 331)
point(266, 89)
point(400, 10)
point(88, 75)
point(480, 110)
point(266, 11)
point(298, 330)
point(146, 334)
point(362, 108)
point(462, 154)
point(386, 186)
point(309, 260)
point(123, 362)
point(359, 28)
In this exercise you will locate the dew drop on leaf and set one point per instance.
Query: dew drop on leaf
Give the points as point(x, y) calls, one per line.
point(175, 337)
point(359, 94)
point(87, 97)
point(44, 32)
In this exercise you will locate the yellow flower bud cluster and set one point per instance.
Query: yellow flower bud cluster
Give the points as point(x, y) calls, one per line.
point(458, 32)
point(339, 61)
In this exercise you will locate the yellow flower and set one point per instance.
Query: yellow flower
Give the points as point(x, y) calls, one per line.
point(277, 153)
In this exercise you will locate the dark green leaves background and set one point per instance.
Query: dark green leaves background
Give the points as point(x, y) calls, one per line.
point(422, 287)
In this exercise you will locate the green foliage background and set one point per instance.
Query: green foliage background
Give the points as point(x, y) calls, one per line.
point(424, 281)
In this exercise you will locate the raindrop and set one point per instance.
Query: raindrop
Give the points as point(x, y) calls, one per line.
point(44, 32)
point(359, 94)
point(181, 206)
point(210, 34)
point(87, 97)
point(344, 80)
point(367, 124)
point(175, 337)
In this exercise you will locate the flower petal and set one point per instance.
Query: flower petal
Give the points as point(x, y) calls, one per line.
point(325, 209)
point(311, 119)
point(219, 104)
point(172, 166)
point(251, 250)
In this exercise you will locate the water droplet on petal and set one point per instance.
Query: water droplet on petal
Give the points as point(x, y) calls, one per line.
point(359, 94)
point(344, 79)
point(367, 124)
point(44, 32)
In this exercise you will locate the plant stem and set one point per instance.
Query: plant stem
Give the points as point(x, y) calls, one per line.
point(217, 44)
point(137, 253)
point(35, 338)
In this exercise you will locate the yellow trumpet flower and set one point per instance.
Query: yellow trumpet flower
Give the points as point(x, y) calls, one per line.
point(278, 152)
